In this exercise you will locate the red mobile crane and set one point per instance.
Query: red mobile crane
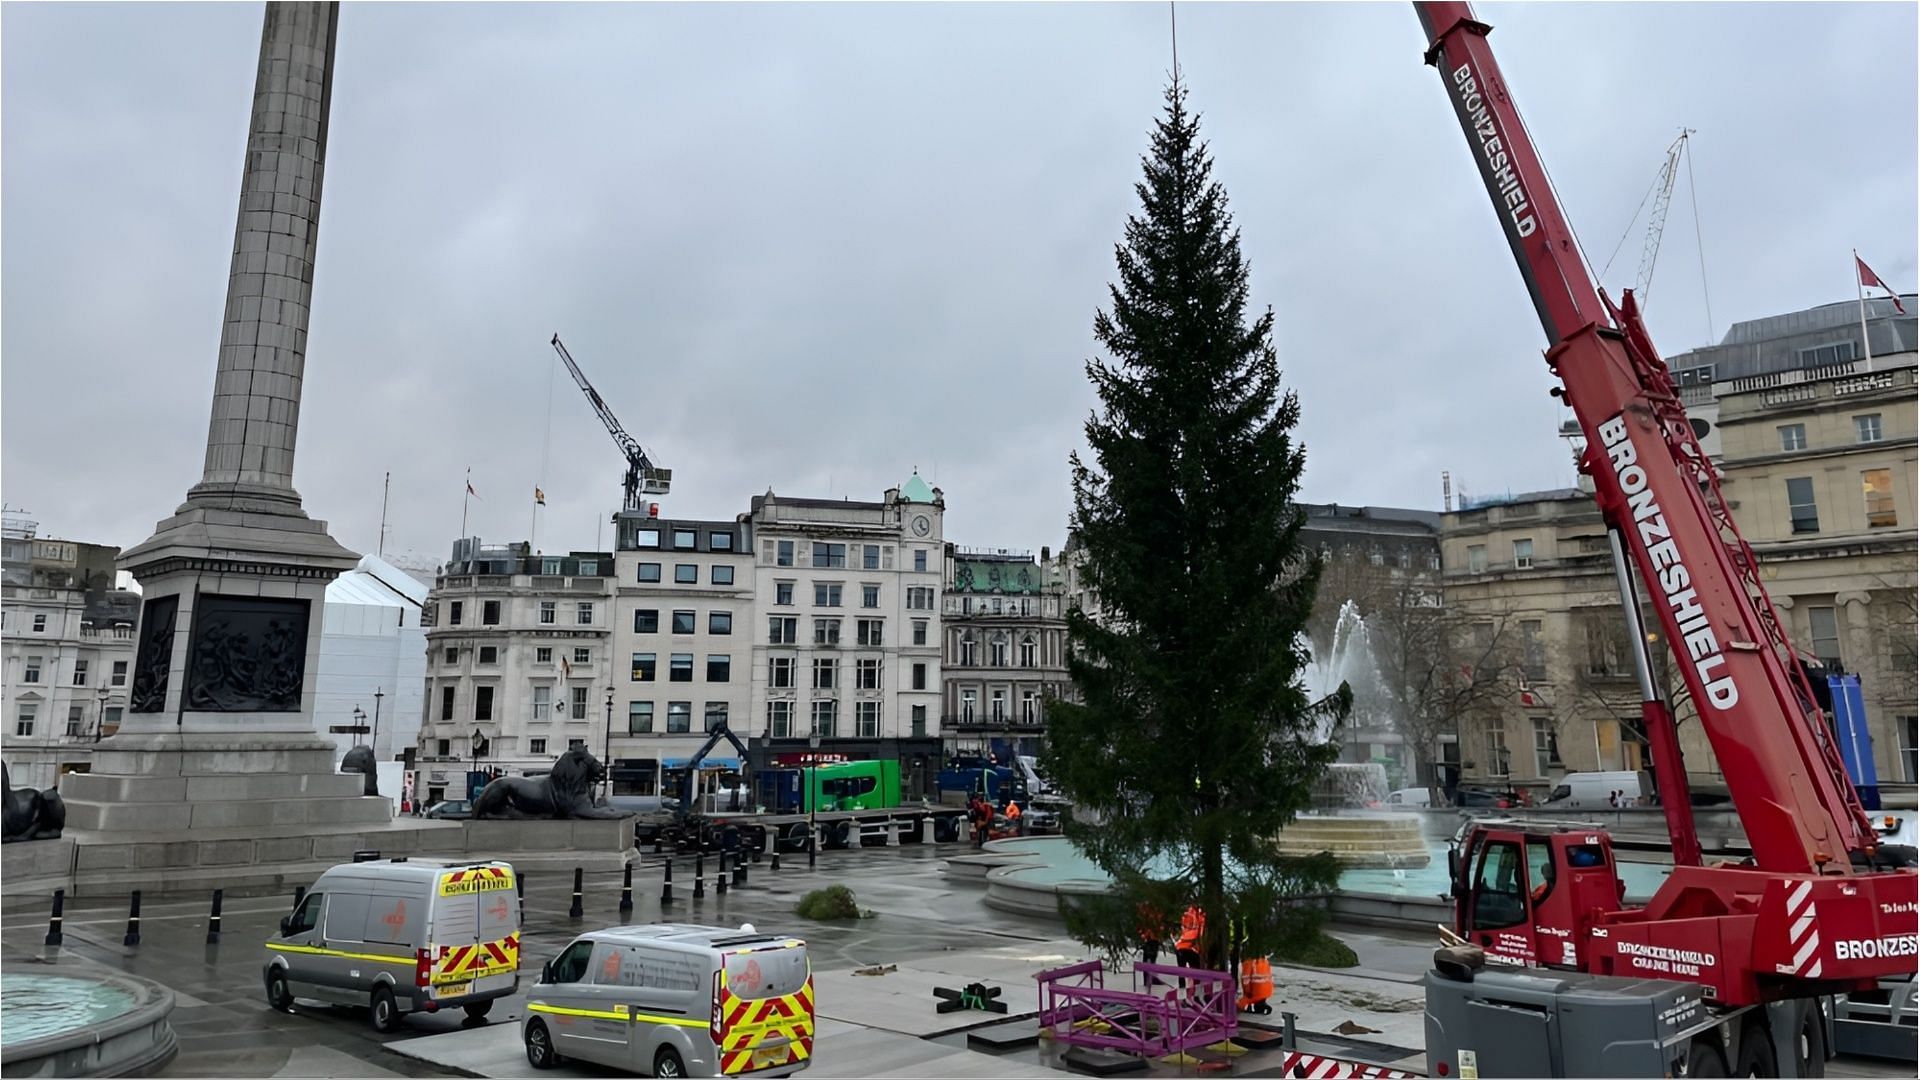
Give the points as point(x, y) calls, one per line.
point(1820, 908)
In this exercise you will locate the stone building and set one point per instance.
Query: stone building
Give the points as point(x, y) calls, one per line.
point(518, 662)
point(846, 635)
point(69, 638)
point(1006, 649)
point(683, 640)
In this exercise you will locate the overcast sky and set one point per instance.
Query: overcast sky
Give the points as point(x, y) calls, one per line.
point(815, 247)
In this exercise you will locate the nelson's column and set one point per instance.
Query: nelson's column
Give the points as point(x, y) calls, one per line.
point(220, 738)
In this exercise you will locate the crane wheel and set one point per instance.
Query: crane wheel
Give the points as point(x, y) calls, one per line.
point(1810, 1042)
point(1756, 1057)
point(1704, 1059)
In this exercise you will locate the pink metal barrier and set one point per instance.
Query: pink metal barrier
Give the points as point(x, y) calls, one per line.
point(1169, 1009)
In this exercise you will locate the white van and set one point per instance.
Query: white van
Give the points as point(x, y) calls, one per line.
point(675, 1000)
point(1410, 796)
point(1601, 791)
point(400, 935)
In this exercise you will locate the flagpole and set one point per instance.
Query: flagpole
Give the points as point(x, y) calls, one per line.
point(1860, 290)
point(466, 496)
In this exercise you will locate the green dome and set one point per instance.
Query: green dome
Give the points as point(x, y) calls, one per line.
point(916, 491)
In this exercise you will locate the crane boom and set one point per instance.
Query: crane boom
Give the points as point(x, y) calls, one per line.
point(642, 477)
point(1657, 221)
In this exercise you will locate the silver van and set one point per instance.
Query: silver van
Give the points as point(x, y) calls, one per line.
point(400, 935)
point(675, 1000)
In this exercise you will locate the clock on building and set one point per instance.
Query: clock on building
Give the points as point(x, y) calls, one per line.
point(921, 526)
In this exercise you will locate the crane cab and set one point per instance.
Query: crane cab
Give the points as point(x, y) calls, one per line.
point(655, 481)
point(1528, 892)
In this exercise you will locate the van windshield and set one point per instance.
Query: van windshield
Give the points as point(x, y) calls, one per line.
point(775, 971)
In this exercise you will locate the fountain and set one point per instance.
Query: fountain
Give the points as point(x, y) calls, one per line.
point(84, 1023)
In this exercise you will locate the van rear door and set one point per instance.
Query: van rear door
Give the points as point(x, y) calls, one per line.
point(764, 1007)
point(474, 936)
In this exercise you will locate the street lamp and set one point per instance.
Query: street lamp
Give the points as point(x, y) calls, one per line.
point(606, 749)
point(374, 741)
point(478, 743)
point(100, 715)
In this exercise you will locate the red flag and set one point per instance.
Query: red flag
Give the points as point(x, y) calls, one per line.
point(1871, 280)
point(470, 490)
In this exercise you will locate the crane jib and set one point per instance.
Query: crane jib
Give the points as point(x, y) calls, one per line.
point(1493, 151)
point(1670, 568)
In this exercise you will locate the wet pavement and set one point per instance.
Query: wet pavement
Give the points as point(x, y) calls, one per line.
point(931, 927)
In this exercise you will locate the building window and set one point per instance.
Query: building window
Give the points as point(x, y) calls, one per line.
point(1496, 751)
point(679, 717)
point(1546, 747)
point(1533, 649)
point(999, 706)
point(583, 656)
point(550, 567)
point(23, 723)
point(716, 715)
point(783, 630)
point(783, 594)
point(1825, 631)
point(686, 573)
point(867, 675)
point(919, 721)
point(1821, 355)
point(483, 703)
point(1523, 554)
point(1800, 505)
point(785, 556)
point(997, 650)
point(446, 703)
point(1029, 648)
point(110, 723)
point(76, 718)
point(1908, 729)
point(32, 673)
point(919, 676)
point(780, 672)
point(452, 656)
point(643, 667)
point(444, 747)
point(685, 540)
point(1792, 437)
point(537, 747)
point(870, 557)
point(490, 613)
point(870, 631)
point(966, 648)
point(969, 703)
point(823, 673)
point(589, 568)
point(1877, 486)
point(722, 574)
point(119, 673)
point(1867, 428)
point(546, 612)
point(646, 621)
point(684, 622)
point(920, 598)
point(1604, 646)
point(829, 556)
point(1433, 562)
point(719, 668)
point(1029, 707)
point(680, 667)
point(543, 654)
point(453, 613)
point(647, 538)
point(823, 718)
point(649, 573)
point(489, 654)
point(866, 720)
point(780, 719)
point(920, 560)
point(639, 717)
point(542, 703)
point(579, 703)
point(79, 672)
point(825, 595)
point(919, 631)
point(1477, 558)
point(826, 631)
point(584, 616)
point(39, 624)
point(720, 541)
point(870, 596)
point(719, 622)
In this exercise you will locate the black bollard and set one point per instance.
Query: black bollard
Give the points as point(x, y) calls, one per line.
point(720, 883)
point(213, 921)
point(813, 843)
point(669, 868)
point(576, 910)
point(54, 935)
point(775, 864)
point(656, 843)
point(133, 921)
point(699, 877)
point(666, 887)
point(699, 865)
point(739, 873)
point(520, 889)
point(626, 891)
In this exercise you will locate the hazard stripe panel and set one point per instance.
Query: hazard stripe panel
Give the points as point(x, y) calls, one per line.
point(1314, 1067)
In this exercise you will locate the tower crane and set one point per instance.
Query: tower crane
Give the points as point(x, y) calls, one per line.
point(1657, 222)
point(643, 476)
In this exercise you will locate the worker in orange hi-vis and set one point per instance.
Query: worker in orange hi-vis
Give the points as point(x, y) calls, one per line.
point(1193, 927)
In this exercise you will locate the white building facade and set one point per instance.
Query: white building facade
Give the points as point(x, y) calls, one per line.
point(373, 660)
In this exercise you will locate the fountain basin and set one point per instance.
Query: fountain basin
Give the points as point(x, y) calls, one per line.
point(66, 1023)
point(1361, 841)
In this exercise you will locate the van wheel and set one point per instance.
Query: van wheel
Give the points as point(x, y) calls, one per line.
point(279, 997)
point(540, 1053)
point(667, 1063)
point(386, 1012)
point(479, 1009)
point(1704, 1059)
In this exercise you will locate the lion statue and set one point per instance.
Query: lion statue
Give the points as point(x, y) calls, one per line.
point(360, 760)
point(567, 792)
point(29, 814)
